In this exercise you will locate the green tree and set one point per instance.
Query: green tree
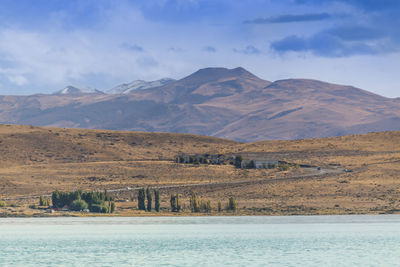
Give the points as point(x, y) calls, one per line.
point(157, 200)
point(141, 199)
point(78, 205)
point(42, 201)
point(107, 196)
point(56, 199)
point(238, 161)
point(148, 194)
point(194, 203)
point(251, 164)
point(175, 203)
point(208, 206)
point(102, 208)
point(178, 203)
point(232, 206)
point(172, 202)
point(219, 206)
point(46, 202)
point(112, 207)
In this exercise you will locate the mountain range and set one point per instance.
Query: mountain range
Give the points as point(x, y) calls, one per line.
point(229, 103)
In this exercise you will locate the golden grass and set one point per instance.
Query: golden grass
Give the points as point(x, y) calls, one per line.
point(35, 161)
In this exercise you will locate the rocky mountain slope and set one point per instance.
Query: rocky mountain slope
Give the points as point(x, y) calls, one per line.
point(229, 103)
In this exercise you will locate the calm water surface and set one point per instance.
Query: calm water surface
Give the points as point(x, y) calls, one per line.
point(202, 241)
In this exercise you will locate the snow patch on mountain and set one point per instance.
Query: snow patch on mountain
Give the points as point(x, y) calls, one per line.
point(72, 90)
point(126, 88)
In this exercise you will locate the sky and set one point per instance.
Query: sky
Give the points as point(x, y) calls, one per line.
point(46, 45)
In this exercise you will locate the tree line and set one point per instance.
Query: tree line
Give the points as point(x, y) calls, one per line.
point(145, 194)
point(93, 201)
point(196, 204)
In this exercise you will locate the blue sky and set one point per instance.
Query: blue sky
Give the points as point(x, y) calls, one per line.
point(48, 44)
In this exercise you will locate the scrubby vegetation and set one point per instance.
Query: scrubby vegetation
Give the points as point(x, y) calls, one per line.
point(78, 205)
point(79, 201)
point(44, 201)
point(199, 205)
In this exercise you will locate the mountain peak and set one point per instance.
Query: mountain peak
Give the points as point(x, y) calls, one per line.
point(69, 90)
point(213, 74)
point(72, 90)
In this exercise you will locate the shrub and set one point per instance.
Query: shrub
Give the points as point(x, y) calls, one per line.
point(33, 206)
point(44, 201)
point(283, 167)
point(101, 208)
point(78, 205)
point(2, 204)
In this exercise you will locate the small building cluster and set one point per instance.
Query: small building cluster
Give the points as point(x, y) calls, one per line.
point(236, 160)
point(259, 164)
point(201, 159)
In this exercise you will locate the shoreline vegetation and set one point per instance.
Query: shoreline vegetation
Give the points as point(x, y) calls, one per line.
point(78, 203)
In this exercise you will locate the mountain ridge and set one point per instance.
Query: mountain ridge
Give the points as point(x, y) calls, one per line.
point(221, 102)
point(127, 88)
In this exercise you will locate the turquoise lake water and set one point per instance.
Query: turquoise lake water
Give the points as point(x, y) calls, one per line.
point(202, 241)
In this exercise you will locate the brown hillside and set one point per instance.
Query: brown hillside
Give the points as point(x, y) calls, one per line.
point(37, 161)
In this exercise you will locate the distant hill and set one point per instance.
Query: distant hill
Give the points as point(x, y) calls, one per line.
point(228, 103)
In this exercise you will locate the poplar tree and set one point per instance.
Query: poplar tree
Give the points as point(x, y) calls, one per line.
point(232, 206)
point(42, 201)
point(141, 199)
point(208, 206)
point(194, 203)
point(148, 194)
point(157, 200)
point(175, 203)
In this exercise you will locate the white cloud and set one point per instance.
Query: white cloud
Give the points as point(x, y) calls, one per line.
point(18, 80)
point(45, 60)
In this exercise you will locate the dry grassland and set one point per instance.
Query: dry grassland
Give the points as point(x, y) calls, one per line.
point(35, 161)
